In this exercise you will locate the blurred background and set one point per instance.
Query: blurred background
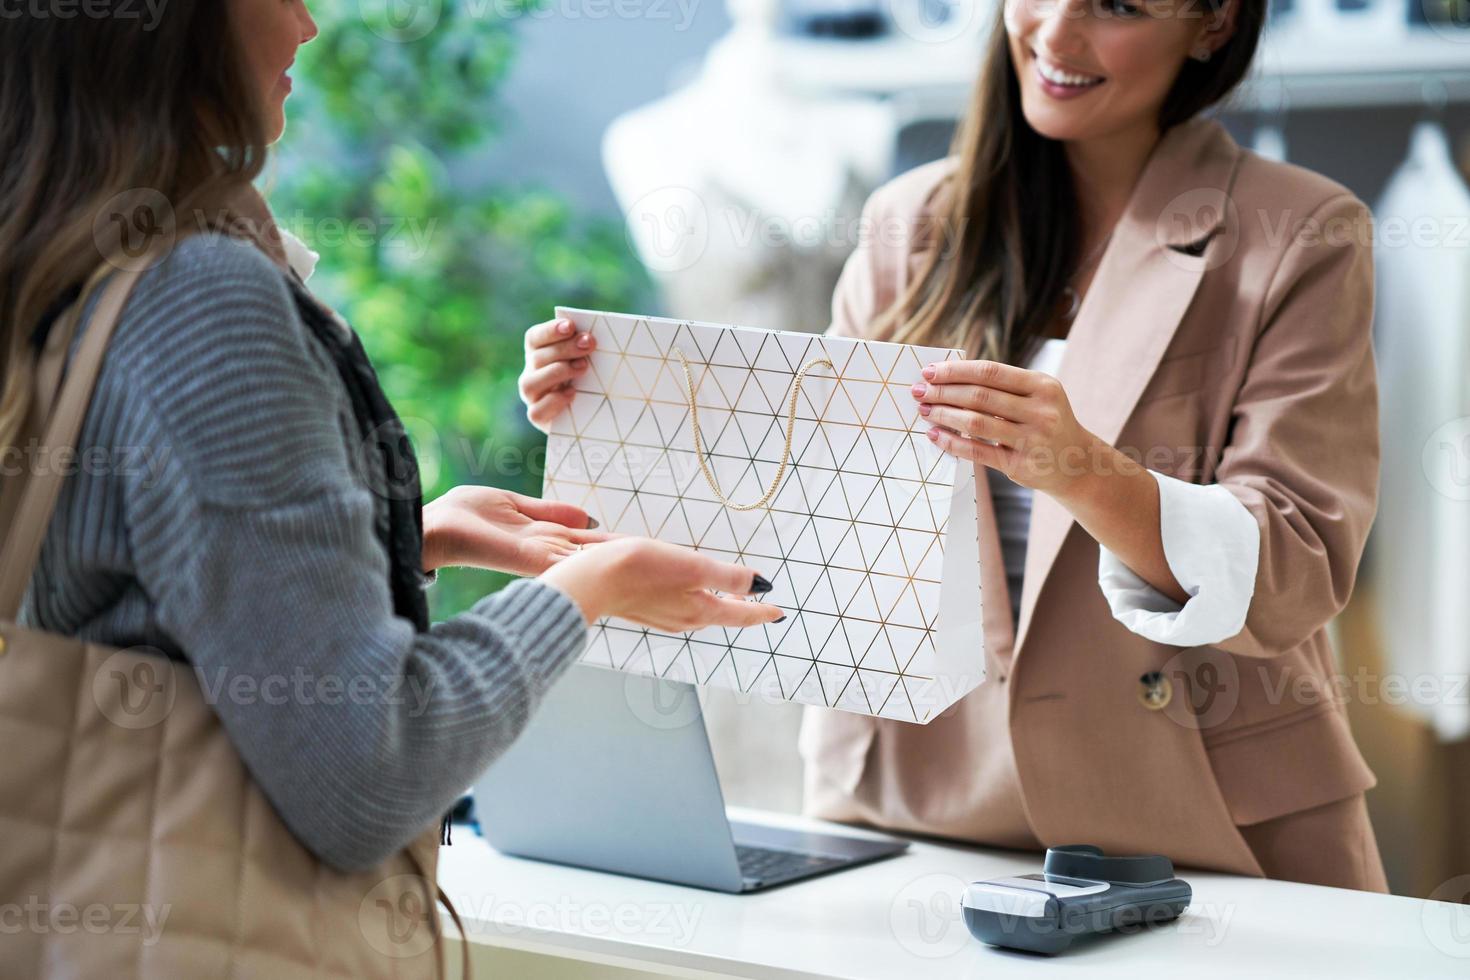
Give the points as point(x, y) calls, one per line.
point(464, 166)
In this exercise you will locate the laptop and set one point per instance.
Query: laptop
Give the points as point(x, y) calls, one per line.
point(615, 773)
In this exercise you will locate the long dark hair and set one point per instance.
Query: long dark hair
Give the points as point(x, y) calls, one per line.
point(1004, 237)
point(108, 113)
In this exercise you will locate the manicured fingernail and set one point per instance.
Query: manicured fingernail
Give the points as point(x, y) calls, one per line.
point(928, 372)
point(564, 327)
point(925, 410)
point(781, 620)
point(593, 524)
point(584, 341)
point(933, 435)
point(760, 586)
point(919, 391)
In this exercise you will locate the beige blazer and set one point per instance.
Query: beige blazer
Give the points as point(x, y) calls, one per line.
point(1224, 339)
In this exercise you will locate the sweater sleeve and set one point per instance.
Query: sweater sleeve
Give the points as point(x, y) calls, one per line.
point(259, 552)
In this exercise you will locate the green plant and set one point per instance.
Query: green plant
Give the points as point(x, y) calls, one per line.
point(440, 274)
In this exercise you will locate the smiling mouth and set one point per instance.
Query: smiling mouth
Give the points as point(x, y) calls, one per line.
point(1057, 75)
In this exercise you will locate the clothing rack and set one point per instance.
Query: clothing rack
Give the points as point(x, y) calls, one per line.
point(1418, 65)
point(932, 82)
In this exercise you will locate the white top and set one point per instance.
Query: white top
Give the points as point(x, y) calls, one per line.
point(1011, 501)
point(1012, 505)
point(901, 918)
point(1211, 541)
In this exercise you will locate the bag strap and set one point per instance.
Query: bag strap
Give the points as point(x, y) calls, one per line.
point(709, 477)
point(466, 967)
point(50, 365)
point(36, 493)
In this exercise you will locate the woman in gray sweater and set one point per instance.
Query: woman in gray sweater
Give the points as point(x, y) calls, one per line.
point(245, 498)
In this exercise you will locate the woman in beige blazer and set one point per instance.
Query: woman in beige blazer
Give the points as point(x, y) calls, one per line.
point(1172, 410)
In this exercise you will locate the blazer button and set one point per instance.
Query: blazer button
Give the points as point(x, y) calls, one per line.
point(1155, 691)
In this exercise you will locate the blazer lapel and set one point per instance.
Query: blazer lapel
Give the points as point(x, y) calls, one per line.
point(1179, 222)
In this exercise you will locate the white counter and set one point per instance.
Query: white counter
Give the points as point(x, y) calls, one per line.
point(900, 918)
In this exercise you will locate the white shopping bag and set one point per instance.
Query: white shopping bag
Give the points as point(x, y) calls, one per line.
point(864, 528)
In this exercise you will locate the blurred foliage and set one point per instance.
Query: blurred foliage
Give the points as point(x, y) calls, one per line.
point(439, 267)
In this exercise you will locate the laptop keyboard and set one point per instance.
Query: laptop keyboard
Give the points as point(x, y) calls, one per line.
point(768, 866)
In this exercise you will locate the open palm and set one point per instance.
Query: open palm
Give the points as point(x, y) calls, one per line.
point(485, 527)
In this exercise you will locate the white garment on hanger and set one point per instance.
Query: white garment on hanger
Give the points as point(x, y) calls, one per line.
point(1419, 551)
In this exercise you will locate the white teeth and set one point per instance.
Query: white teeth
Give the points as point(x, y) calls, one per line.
point(1059, 77)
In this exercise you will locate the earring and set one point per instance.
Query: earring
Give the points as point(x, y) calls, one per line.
point(1201, 54)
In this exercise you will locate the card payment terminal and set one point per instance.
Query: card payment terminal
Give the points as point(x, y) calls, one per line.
point(1079, 892)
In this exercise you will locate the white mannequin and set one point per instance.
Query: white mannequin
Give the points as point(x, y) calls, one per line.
point(742, 196)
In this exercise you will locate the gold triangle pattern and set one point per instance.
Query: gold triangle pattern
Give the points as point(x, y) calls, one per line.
point(852, 542)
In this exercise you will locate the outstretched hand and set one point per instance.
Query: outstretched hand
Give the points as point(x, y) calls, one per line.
point(485, 527)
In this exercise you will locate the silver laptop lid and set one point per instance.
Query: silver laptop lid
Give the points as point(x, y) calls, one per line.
point(614, 772)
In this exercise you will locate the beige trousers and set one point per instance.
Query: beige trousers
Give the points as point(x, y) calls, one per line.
point(1332, 844)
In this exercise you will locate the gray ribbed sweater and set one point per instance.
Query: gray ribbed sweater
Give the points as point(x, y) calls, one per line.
point(222, 520)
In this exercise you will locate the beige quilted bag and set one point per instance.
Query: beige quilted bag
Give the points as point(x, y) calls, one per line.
point(133, 842)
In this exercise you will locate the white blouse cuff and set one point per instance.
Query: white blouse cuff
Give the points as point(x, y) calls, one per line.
point(1212, 544)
